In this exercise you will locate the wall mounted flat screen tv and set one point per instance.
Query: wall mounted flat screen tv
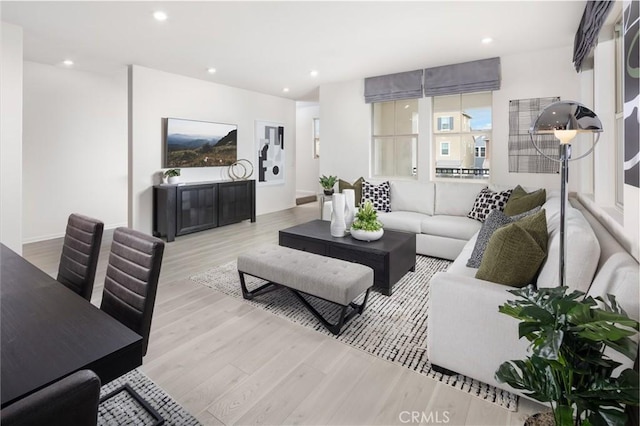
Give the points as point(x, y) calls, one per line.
point(191, 143)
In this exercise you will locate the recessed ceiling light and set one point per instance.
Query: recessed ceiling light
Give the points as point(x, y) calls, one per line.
point(160, 15)
point(68, 62)
point(211, 70)
point(313, 73)
point(487, 40)
point(285, 90)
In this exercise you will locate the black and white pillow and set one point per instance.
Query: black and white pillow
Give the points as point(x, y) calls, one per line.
point(486, 201)
point(378, 195)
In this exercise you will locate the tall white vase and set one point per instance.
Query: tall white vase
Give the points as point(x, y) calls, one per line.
point(350, 207)
point(338, 225)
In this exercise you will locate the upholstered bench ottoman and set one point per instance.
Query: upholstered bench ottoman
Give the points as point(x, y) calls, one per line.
point(333, 280)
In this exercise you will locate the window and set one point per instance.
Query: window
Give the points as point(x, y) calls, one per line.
point(462, 130)
point(619, 130)
point(445, 124)
point(316, 138)
point(394, 145)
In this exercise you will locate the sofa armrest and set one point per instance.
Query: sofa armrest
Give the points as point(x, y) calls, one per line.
point(466, 333)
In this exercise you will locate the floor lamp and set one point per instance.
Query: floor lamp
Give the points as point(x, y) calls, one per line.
point(565, 119)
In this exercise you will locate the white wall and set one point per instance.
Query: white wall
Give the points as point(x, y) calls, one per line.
point(307, 167)
point(346, 119)
point(532, 75)
point(345, 122)
point(11, 137)
point(74, 148)
point(155, 95)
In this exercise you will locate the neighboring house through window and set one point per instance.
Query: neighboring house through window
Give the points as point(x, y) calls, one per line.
point(462, 129)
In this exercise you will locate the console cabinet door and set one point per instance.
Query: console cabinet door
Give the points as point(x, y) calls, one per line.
point(196, 208)
point(235, 202)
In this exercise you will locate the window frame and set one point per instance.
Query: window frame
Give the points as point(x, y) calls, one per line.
point(315, 137)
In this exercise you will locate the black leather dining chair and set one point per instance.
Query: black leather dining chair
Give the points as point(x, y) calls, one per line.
point(130, 289)
point(79, 258)
point(131, 283)
point(72, 400)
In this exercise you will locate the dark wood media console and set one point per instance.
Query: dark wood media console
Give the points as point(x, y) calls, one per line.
point(196, 206)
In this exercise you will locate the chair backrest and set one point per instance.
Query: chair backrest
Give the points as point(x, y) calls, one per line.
point(69, 401)
point(132, 280)
point(80, 251)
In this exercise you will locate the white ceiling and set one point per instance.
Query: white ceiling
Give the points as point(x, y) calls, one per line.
point(267, 45)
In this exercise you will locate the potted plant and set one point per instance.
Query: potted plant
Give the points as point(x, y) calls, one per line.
point(567, 366)
point(172, 175)
point(327, 184)
point(366, 226)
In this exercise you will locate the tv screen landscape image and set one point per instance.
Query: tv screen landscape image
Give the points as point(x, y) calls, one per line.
point(191, 143)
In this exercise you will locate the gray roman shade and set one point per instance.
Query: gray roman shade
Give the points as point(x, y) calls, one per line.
point(475, 76)
point(595, 13)
point(392, 87)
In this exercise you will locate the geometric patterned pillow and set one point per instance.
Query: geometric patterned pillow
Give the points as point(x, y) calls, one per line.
point(495, 220)
point(486, 201)
point(378, 195)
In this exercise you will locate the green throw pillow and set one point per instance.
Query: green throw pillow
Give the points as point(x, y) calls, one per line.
point(356, 186)
point(515, 252)
point(521, 201)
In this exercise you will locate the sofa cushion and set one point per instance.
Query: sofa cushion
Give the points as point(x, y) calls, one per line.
point(486, 201)
point(522, 201)
point(495, 220)
point(356, 186)
point(515, 252)
point(461, 228)
point(459, 265)
point(412, 196)
point(583, 249)
point(377, 194)
point(455, 198)
point(402, 221)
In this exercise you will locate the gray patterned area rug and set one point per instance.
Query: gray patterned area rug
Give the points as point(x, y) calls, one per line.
point(392, 327)
point(123, 409)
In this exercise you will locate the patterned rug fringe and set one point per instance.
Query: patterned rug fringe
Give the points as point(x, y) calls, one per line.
point(393, 328)
point(122, 409)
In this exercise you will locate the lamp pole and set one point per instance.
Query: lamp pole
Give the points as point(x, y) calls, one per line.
point(565, 156)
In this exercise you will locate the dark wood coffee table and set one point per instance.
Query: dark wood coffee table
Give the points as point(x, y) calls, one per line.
point(390, 257)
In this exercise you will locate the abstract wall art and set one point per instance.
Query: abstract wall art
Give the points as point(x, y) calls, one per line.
point(270, 146)
point(523, 157)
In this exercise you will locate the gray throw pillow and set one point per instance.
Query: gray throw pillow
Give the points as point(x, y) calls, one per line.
point(495, 220)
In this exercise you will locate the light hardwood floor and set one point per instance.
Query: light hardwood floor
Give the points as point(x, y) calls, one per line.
point(230, 363)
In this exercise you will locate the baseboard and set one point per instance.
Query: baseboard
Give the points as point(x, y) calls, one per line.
point(61, 235)
point(306, 199)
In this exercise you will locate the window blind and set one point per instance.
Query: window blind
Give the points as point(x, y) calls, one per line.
point(595, 13)
point(475, 76)
point(392, 87)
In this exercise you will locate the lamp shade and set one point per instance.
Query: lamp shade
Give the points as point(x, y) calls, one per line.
point(566, 115)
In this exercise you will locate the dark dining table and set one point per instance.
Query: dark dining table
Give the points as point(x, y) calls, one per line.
point(48, 332)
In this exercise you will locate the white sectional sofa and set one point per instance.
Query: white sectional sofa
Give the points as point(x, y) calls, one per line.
point(467, 334)
point(435, 211)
